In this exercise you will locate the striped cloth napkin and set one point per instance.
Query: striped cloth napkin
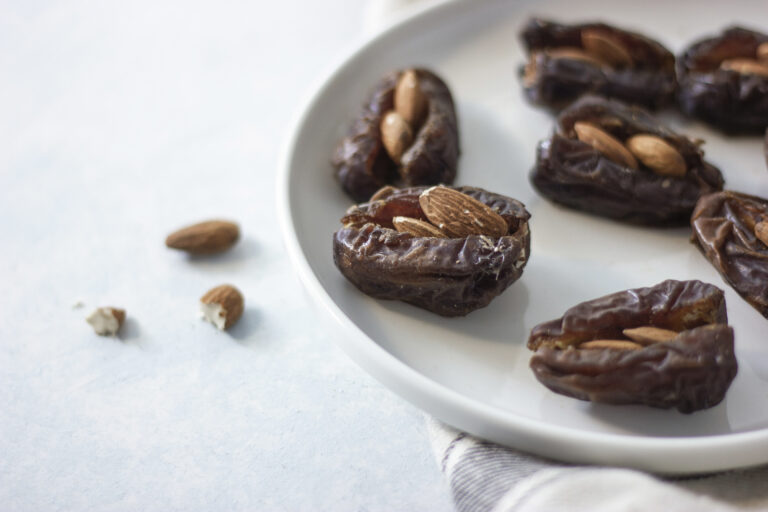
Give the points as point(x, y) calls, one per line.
point(486, 477)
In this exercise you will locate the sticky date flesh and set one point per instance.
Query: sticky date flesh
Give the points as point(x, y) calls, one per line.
point(727, 230)
point(361, 162)
point(448, 276)
point(726, 98)
point(571, 172)
point(649, 79)
point(691, 371)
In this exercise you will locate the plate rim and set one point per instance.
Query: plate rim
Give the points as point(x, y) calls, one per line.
point(490, 422)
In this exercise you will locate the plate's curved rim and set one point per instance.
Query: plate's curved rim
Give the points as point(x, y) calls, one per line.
point(487, 421)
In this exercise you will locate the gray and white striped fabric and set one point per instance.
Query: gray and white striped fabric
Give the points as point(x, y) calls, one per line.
point(486, 477)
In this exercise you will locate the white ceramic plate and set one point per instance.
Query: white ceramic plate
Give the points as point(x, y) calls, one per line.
point(473, 372)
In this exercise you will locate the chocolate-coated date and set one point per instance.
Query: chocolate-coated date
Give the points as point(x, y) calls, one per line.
point(664, 346)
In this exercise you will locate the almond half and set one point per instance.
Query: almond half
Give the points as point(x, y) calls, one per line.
point(604, 143)
point(459, 215)
point(222, 306)
point(106, 321)
point(207, 237)
point(647, 335)
point(396, 135)
point(745, 66)
point(761, 231)
point(615, 344)
point(606, 47)
point(416, 227)
point(658, 155)
point(410, 101)
point(573, 53)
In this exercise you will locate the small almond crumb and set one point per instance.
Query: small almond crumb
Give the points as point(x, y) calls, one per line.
point(106, 321)
point(222, 306)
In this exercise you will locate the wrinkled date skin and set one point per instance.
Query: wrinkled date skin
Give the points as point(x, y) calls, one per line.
point(573, 173)
point(724, 230)
point(690, 372)
point(732, 101)
point(556, 82)
point(448, 276)
point(361, 162)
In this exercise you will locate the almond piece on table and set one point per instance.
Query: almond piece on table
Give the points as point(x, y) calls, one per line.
point(222, 306)
point(606, 47)
point(416, 227)
point(106, 321)
point(396, 135)
point(410, 101)
point(745, 66)
point(207, 237)
point(617, 344)
point(605, 143)
point(459, 215)
point(647, 335)
point(658, 155)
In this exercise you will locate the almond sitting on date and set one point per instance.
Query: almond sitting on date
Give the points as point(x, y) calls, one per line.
point(459, 215)
point(658, 155)
point(762, 52)
point(605, 143)
point(648, 335)
point(573, 53)
point(745, 66)
point(761, 231)
point(606, 47)
point(207, 237)
point(396, 135)
point(410, 101)
point(222, 306)
point(416, 227)
point(614, 344)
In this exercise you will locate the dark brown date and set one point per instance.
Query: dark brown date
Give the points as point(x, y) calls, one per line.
point(731, 230)
point(593, 351)
point(430, 149)
point(575, 171)
point(448, 276)
point(567, 61)
point(724, 82)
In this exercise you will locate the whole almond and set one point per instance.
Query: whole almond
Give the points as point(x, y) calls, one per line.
point(657, 154)
point(574, 53)
point(416, 227)
point(459, 215)
point(222, 306)
point(647, 335)
point(606, 47)
point(106, 321)
point(605, 144)
point(761, 231)
point(207, 237)
point(615, 344)
point(745, 66)
point(396, 135)
point(410, 100)
point(383, 193)
point(762, 52)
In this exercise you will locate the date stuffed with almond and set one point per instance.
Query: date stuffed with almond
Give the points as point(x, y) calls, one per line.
point(568, 61)
point(406, 134)
point(664, 346)
point(618, 161)
point(448, 250)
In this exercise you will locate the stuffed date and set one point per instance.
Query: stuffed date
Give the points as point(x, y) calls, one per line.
point(406, 134)
point(447, 250)
point(731, 230)
point(618, 161)
point(664, 346)
point(567, 61)
point(724, 80)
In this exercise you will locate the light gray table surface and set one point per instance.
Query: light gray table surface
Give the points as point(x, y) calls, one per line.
point(119, 122)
